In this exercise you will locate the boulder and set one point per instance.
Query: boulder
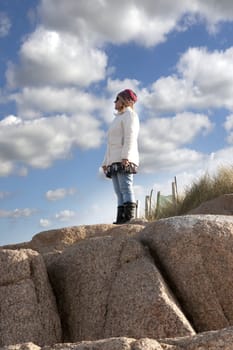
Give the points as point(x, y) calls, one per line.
point(110, 287)
point(103, 344)
point(28, 310)
point(55, 241)
point(222, 205)
point(195, 257)
point(24, 346)
point(212, 340)
point(131, 287)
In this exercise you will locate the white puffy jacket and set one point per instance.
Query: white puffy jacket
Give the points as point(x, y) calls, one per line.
point(123, 138)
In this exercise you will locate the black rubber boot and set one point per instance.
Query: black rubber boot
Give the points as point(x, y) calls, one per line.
point(120, 215)
point(130, 211)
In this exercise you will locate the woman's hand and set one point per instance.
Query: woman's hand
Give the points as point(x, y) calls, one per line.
point(104, 167)
point(125, 162)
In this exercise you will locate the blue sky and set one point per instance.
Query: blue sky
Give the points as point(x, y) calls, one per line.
point(63, 62)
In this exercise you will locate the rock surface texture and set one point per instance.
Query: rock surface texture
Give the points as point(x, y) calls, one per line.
point(213, 340)
point(142, 286)
point(28, 310)
point(195, 254)
point(222, 205)
point(108, 287)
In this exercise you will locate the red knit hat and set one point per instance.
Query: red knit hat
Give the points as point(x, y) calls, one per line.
point(128, 95)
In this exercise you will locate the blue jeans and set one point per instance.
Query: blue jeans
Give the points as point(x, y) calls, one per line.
point(123, 186)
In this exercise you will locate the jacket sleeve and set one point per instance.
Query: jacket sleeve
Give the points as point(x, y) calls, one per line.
point(104, 162)
point(130, 124)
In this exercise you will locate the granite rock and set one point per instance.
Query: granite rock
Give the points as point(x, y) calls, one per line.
point(108, 287)
point(28, 310)
point(195, 256)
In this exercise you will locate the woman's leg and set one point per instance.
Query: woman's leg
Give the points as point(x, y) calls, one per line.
point(117, 189)
point(125, 183)
point(126, 187)
point(120, 218)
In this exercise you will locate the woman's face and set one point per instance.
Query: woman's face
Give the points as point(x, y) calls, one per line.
point(119, 105)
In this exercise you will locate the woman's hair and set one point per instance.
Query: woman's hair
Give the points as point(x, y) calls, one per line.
point(128, 97)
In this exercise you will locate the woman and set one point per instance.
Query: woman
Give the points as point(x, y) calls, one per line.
point(122, 159)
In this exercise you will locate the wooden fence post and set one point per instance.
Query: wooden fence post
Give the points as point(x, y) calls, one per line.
point(150, 203)
point(176, 190)
point(157, 203)
point(173, 193)
point(147, 201)
point(137, 209)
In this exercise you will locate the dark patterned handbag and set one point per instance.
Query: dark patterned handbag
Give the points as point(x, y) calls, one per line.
point(118, 167)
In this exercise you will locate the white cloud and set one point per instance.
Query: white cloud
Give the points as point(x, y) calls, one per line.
point(209, 71)
point(34, 101)
point(147, 23)
point(59, 193)
point(65, 215)
point(228, 125)
point(45, 223)
point(6, 168)
point(53, 58)
point(222, 157)
point(200, 75)
point(5, 24)
point(17, 213)
point(177, 130)
point(10, 120)
point(38, 143)
point(162, 141)
point(174, 160)
point(214, 12)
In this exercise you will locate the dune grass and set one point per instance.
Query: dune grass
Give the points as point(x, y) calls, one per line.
point(205, 188)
